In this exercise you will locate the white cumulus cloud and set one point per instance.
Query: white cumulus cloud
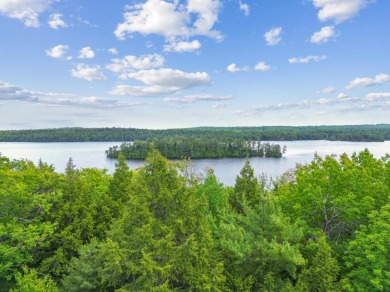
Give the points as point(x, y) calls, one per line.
point(86, 72)
point(86, 53)
point(113, 51)
point(306, 59)
point(342, 96)
point(244, 7)
point(324, 35)
point(27, 11)
point(172, 19)
point(130, 63)
point(161, 82)
point(338, 10)
point(171, 78)
point(262, 66)
point(234, 68)
point(366, 81)
point(55, 21)
point(273, 36)
point(182, 46)
point(58, 52)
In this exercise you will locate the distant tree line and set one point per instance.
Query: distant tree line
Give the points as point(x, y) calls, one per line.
point(192, 147)
point(355, 133)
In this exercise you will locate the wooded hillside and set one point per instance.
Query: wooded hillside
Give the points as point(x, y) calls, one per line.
point(362, 133)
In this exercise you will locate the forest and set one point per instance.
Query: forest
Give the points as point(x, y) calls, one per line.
point(323, 226)
point(194, 148)
point(354, 133)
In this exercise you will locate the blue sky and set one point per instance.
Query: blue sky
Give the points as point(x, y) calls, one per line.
point(171, 64)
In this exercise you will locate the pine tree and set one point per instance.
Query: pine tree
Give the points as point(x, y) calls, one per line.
point(322, 272)
point(246, 188)
point(162, 241)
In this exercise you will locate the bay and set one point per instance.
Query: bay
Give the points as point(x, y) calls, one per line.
point(92, 154)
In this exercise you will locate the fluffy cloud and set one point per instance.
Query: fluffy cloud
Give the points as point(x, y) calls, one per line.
point(273, 36)
point(342, 96)
point(86, 53)
point(306, 59)
point(378, 95)
point(244, 8)
point(171, 19)
point(58, 52)
point(234, 68)
point(182, 46)
point(338, 10)
point(324, 35)
point(86, 72)
point(262, 66)
point(129, 64)
point(197, 97)
point(171, 78)
point(366, 81)
point(329, 89)
point(161, 82)
point(113, 51)
point(27, 11)
point(55, 21)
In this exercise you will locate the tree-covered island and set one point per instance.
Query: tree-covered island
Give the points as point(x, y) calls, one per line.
point(195, 148)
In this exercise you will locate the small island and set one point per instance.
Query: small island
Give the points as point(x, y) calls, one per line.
point(196, 148)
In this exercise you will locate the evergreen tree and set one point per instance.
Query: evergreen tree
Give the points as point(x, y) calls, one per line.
point(119, 185)
point(322, 271)
point(83, 272)
point(163, 240)
point(246, 188)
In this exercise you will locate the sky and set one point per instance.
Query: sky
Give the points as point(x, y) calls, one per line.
point(173, 64)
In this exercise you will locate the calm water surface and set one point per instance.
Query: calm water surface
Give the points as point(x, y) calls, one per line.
point(92, 154)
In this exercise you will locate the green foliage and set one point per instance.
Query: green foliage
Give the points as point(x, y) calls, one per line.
point(336, 196)
point(368, 255)
point(83, 272)
point(119, 185)
point(321, 274)
point(217, 196)
point(84, 211)
point(27, 193)
point(29, 281)
point(325, 227)
point(162, 240)
point(247, 188)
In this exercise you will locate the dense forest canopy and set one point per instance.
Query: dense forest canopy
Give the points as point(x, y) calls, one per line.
point(355, 133)
point(193, 148)
point(324, 226)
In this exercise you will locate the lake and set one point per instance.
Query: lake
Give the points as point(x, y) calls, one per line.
point(92, 154)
